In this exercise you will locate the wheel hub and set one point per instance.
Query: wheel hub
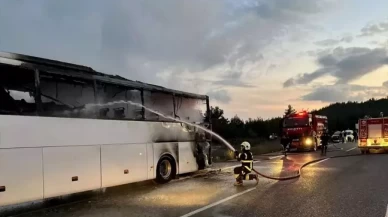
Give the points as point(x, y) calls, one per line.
point(165, 169)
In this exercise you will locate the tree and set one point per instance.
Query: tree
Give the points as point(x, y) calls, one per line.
point(340, 116)
point(289, 110)
point(219, 122)
point(236, 121)
point(217, 113)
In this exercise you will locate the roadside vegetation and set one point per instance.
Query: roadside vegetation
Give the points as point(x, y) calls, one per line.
point(341, 116)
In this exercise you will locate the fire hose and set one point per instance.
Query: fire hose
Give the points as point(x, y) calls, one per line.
point(299, 172)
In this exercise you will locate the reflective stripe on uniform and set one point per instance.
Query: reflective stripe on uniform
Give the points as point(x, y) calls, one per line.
point(248, 168)
point(246, 161)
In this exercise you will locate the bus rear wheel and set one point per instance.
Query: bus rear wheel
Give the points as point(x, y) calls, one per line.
point(165, 170)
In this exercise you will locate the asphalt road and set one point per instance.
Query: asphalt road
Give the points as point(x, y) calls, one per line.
point(349, 186)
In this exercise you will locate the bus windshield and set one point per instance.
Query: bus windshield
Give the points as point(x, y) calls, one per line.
point(296, 122)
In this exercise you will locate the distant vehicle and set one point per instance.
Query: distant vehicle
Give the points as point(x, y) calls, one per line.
point(273, 136)
point(304, 129)
point(373, 134)
point(349, 135)
point(336, 137)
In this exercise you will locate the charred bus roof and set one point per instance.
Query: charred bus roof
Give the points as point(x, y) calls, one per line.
point(55, 67)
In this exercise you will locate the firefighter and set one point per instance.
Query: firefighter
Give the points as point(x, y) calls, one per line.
point(285, 141)
point(202, 151)
point(246, 159)
point(355, 136)
point(325, 140)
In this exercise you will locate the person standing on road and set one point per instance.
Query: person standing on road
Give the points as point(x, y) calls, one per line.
point(355, 136)
point(246, 159)
point(325, 141)
point(202, 151)
point(285, 141)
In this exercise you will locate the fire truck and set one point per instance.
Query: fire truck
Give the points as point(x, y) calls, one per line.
point(373, 134)
point(304, 129)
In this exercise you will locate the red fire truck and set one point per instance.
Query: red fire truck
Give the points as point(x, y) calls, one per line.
point(304, 129)
point(373, 134)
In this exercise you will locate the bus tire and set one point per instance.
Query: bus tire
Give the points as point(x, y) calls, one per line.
point(165, 169)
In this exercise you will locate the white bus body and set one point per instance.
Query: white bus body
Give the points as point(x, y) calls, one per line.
point(43, 157)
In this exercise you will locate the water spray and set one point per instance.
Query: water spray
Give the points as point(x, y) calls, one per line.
point(167, 117)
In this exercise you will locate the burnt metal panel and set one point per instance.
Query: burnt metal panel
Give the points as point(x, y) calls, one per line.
point(84, 72)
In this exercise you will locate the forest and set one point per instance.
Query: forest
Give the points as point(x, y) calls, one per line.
point(341, 116)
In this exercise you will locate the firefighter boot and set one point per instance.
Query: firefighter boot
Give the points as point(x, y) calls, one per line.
point(239, 181)
point(255, 177)
point(252, 177)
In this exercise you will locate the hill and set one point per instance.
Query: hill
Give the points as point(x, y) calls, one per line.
point(340, 115)
point(345, 115)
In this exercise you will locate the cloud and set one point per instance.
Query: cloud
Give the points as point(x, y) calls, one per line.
point(344, 93)
point(327, 42)
point(219, 95)
point(332, 42)
point(346, 64)
point(374, 29)
point(232, 78)
point(142, 38)
point(232, 82)
point(385, 84)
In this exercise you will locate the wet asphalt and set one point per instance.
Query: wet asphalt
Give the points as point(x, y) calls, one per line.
point(349, 186)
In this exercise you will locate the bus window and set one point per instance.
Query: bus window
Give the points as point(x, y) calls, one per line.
point(160, 102)
point(67, 97)
point(17, 90)
point(113, 100)
point(192, 110)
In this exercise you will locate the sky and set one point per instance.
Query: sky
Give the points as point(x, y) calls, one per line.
point(252, 57)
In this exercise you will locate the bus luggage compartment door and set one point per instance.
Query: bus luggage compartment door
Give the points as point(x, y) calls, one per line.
point(21, 175)
point(122, 164)
point(71, 169)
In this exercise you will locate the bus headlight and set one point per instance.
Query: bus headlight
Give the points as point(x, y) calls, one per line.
point(308, 141)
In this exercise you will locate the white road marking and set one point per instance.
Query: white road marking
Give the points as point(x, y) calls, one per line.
point(319, 161)
point(386, 212)
point(217, 203)
point(274, 157)
point(351, 149)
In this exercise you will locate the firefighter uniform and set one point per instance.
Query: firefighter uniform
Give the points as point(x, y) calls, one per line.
point(285, 141)
point(246, 159)
point(325, 137)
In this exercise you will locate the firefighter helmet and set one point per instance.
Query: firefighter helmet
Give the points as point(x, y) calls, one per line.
point(246, 146)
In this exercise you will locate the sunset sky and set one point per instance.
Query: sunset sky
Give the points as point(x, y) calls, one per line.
point(252, 57)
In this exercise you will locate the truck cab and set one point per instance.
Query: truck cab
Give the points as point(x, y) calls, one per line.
point(304, 130)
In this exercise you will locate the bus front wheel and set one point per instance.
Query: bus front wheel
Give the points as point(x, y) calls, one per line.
point(165, 170)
